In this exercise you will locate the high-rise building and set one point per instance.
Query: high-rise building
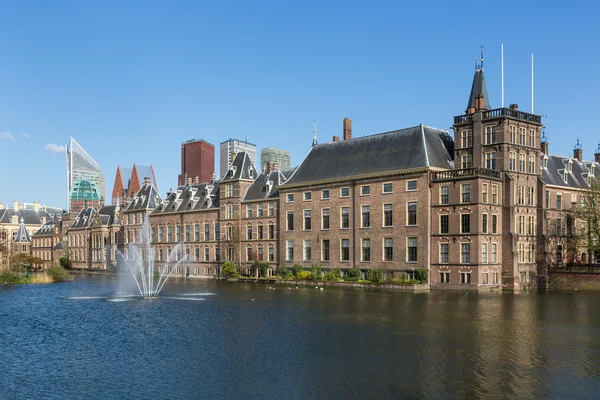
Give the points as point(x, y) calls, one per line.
point(86, 183)
point(197, 161)
point(280, 157)
point(234, 146)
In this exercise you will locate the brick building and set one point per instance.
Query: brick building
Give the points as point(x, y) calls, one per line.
point(197, 161)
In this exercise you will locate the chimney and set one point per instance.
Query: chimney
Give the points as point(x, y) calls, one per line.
point(196, 180)
point(36, 206)
point(1, 206)
point(514, 107)
point(146, 180)
point(545, 147)
point(274, 166)
point(470, 110)
point(233, 154)
point(269, 167)
point(213, 177)
point(188, 181)
point(479, 101)
point(336, 138)
point(16, 205)
point(347, 129)
point(596, 158)
point(578, 151)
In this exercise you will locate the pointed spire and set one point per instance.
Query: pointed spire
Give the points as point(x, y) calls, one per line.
point(478, 98)
point(314, 133)
point(22, 234)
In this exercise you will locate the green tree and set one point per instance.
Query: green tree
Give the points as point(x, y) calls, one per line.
point(65, 262)
point(229, 269)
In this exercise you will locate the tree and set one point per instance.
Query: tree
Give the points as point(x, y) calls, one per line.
point(587, 211)
point(65, 262)
point(229, 269)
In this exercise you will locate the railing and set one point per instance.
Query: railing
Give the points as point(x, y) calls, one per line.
point(466, 173)
point(461, 119)
point(500, 112)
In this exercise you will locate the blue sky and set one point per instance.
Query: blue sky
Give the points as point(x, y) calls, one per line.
point(131, 80)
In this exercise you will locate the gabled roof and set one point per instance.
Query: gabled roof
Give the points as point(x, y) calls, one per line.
point(147, 198)
point(202, 196)
point(554, 173)
point(479, 87)
point(241, 168)
point(390, 152)
point(108, 215)
point(22, 235)
point(30, 216)
point(46, 229)
point(266, 185)
point(84, 218)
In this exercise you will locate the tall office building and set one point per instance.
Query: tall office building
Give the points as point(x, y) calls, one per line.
point(197, 161)
point(234, 146)
point(280, 157)
point(86, 184)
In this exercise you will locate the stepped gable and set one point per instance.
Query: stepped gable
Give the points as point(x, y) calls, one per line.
point(406, 149)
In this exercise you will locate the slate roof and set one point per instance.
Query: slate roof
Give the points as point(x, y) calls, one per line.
point(147, 198)
point(241, 168)
point(554, 173)
point(30, 216)
point(410, 148)
point(107, 215)
point(22, 235)
point(46, 229)
point(479, 87)
point(266, 185)
point(201, 196)
point(84, 218)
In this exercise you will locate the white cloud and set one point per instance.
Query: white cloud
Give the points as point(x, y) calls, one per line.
point(6, 136)
point(55, 148)
point(26, 135)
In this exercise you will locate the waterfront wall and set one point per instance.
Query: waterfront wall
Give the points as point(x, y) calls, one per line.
point(574, 281)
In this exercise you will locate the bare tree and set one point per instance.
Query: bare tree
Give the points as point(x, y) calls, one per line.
point(587, 212)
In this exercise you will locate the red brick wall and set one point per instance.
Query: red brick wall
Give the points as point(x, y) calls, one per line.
point(197, 159)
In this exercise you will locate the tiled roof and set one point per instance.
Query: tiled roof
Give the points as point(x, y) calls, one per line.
point(22, 235)
point(189, 198)
point(241, 168)
point(84, 218)
point(46, 229)
point(479, 87)
point(30, 216)
point(410, 148)
point(147, 198)
point(266, 186)
point(554, 173)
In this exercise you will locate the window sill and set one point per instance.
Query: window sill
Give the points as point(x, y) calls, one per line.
point(408, 226)
point(365, 227)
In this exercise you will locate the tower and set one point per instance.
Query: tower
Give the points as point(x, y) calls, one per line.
point(197, 161)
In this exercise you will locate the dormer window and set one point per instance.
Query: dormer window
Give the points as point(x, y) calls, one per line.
point(233, 169)
point(566, 176)
point(269, 186)
point(570, 165)
point(544, 161)
point(250, 172)
point(592, 170)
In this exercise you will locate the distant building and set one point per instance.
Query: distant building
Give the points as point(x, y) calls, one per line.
point(86, 183)
point(280, 157)
point(128, 181)
point(228, 150)
point(197, 161)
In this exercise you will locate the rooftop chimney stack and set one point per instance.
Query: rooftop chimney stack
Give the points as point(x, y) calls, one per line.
point(336, 139)
point(269, 167)
point(146, 180)
point(188, 181)
point(479, 102)
point(36, 206)
point(596, 157)
point(347, 129)
point(578, 151)
point(514, 107)
point(233, 154)
point(544, 143)
point(1, 206)
point(16, 205)
point(213, 177)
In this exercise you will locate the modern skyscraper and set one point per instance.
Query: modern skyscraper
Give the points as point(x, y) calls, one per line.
point(234, 146)
point(86, 183)
point(197, 161)
point(280, 157)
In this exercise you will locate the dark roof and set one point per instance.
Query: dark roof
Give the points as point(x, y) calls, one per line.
point(479, 87)
point(410, 148)
point(266, 186)
point(84, 218)
point(22, 235)
point(46, 229)
point(147, 198)
point(554, 173)
point(109, 215)
point(30, 216)
point(59, 246)
point(201, 196)
point(241, 168)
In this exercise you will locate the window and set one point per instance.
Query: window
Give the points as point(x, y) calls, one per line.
point(490, 160)
point(531, 164)
point(307, 220)
point(259, 210)
point(513, 134)
point(207, 232)
point(558, 227)
point(411, 213)
point(249, 211)
point(228, 234)
point(559, 202)
point(187, 233)
point(290, 197)
point(325, 218)
point(494, 253)
point(444, 224)
point(484, 223)
point(444, 247)
point(345, 254)
point(484, 253)
point(387, 187)
point(344, 192)
point(325, 250)
point(490, 135)
point(512, 161)
point(229, 190)
point(388, 215)
point(325, 194)
point(411, 185)
point(484, 192)
point(259, 231)
point(290, 250)
point(206, 254)
point(521, 224)
point(366, 250)
point(531, 225)
point(196, 232)
point(161, 234)
point(522, 136)
point(271, 253)
point(521, 195)
point(187, 254)
point(521, 162)
point(444, 276)
point(290, 221)
point(271, 209)
point(365, 190)
point(307, 250)
point(465, 223)
point(547, 199)
point(484, 278)
point(169, 233)
point(411, 249)
point(444, 190)
point(271, 230)
point(465, 253)
point(217, 231)
point(249, 253)
point(465, 190)
point(467, 138)
point(494, 223)
point(388, 249)
point(366, 217)
point(249, 232)
point(466, 161)
point(494, 194)
point(345, 217)
point(559, 253)
point(494, 277)
point(307, 196)
point(530, 196)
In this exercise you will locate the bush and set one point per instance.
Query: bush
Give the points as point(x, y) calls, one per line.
point(421, 275)
point(58, 273)
point(316, 273)
point(284, 272)
point(303, 275)
point(297, 269)
point(264, 269)
point(333, 275)
point(375, 275)
point(229, 269)
point(353, 275)
point(65, 263)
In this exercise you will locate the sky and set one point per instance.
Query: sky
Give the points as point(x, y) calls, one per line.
point(132, 80)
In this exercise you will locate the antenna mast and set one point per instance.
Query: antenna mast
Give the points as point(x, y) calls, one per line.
point(502, 58)
point(532, 83)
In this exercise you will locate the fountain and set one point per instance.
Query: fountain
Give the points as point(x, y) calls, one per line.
point(139, 262)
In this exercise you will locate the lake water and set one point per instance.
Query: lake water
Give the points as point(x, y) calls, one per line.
point(216, 343)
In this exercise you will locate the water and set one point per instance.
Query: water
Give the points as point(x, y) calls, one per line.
point(294, 343)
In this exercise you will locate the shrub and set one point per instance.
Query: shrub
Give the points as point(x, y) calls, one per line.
point(316, 273)
point(421, 275)
point(58, 273)
point(303, 275)
point(333, 275)
point(375, 275)
point(229, 269)
point(65, 263)
point(264, 268)
point(297, 269)
point(353, 275)
point(285, 272)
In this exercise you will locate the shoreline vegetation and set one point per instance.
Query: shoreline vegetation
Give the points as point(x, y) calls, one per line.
point(53, 274)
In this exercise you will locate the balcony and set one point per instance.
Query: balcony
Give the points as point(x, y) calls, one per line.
point(498, 113)
point(466, 173)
